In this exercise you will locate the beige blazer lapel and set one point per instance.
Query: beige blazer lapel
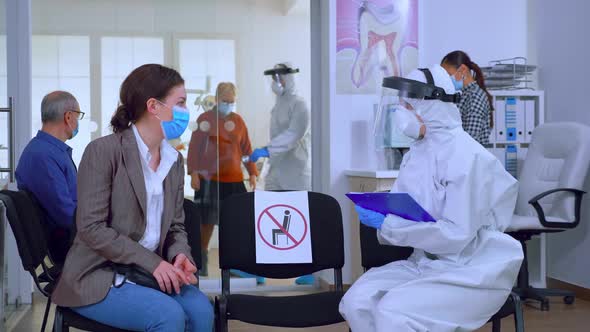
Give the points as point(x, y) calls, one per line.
point(133, 166)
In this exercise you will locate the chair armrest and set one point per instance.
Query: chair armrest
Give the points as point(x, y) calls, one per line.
point(541, 214)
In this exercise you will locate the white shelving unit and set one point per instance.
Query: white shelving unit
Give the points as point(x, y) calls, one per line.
point(517, 113)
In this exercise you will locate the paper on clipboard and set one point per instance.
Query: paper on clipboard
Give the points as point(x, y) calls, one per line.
point(400, 204)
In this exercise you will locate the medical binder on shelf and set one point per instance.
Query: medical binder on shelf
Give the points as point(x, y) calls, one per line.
point(529, 120)
point(520, 120)
point(500, 123)
point(510, 119)
point(511, 158)
point(400, 204)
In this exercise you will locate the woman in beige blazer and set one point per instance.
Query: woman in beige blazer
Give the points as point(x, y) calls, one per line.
point(130, 211)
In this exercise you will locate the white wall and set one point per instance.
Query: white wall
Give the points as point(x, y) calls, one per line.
point(486, 30)
point(559, 31)
point(264, 36)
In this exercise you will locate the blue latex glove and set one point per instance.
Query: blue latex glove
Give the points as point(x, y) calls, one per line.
point(370, 217)
point(259, 153)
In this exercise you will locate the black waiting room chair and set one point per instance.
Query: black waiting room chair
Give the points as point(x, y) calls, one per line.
point(25, 218)
point(237, 251)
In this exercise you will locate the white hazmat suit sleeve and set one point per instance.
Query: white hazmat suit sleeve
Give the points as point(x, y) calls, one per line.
point(298, 127)
point(475, 194)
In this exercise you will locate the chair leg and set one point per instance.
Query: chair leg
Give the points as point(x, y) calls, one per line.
point(518, 314)
point(46, 314)
point(223, 321)
point(497, 325)
point(58, 323)
point(220, 315)
point(554, 292)
point(524, 289)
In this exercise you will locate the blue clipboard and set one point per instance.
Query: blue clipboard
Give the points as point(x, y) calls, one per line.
point(400, 204)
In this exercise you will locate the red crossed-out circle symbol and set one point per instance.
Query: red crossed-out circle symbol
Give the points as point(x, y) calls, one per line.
point(268, 213)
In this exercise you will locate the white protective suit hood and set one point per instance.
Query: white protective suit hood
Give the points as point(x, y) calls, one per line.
point(436, 114)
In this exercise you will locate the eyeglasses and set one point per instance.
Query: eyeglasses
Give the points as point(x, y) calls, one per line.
point(80, 114)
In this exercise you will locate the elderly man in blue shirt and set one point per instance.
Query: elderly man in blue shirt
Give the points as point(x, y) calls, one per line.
point(46, 169)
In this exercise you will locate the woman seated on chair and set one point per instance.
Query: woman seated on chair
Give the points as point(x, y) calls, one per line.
point(130, 211)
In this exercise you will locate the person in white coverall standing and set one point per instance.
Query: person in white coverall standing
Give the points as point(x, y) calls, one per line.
point(289, 148)
point(463, 266)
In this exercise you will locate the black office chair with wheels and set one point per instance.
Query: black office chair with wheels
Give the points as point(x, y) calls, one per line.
point(374, 254)
point(237, 251)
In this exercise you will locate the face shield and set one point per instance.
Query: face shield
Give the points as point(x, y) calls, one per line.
point(398, 121)
point(396, 124)
point(281, 79)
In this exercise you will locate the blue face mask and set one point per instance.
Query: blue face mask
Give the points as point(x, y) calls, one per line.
point(175, 128)
point(225, 108)
point(75, 132)
point(458, 84)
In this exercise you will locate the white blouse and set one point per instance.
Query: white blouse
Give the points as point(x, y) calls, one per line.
point(154, 188)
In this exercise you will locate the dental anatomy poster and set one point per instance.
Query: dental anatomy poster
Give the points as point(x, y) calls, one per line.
point(374, 39)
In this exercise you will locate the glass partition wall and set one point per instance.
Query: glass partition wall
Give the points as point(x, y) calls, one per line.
point(221, 48)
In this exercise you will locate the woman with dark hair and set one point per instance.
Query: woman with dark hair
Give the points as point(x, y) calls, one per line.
point(476, 102)
point(130, 212)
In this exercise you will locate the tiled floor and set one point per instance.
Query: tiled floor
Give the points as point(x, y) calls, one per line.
point(574, 318)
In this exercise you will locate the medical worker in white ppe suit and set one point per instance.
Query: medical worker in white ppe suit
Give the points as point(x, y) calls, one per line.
point(463, 266)
point(289, 149)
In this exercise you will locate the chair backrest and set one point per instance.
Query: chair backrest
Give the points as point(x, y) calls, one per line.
point(558, 157)
point(24, 217)
point(192, 225)
point(374, 254)
point(18, 231)
point(237, 247)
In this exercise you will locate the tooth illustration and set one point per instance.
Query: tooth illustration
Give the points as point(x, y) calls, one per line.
point(381, 31)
